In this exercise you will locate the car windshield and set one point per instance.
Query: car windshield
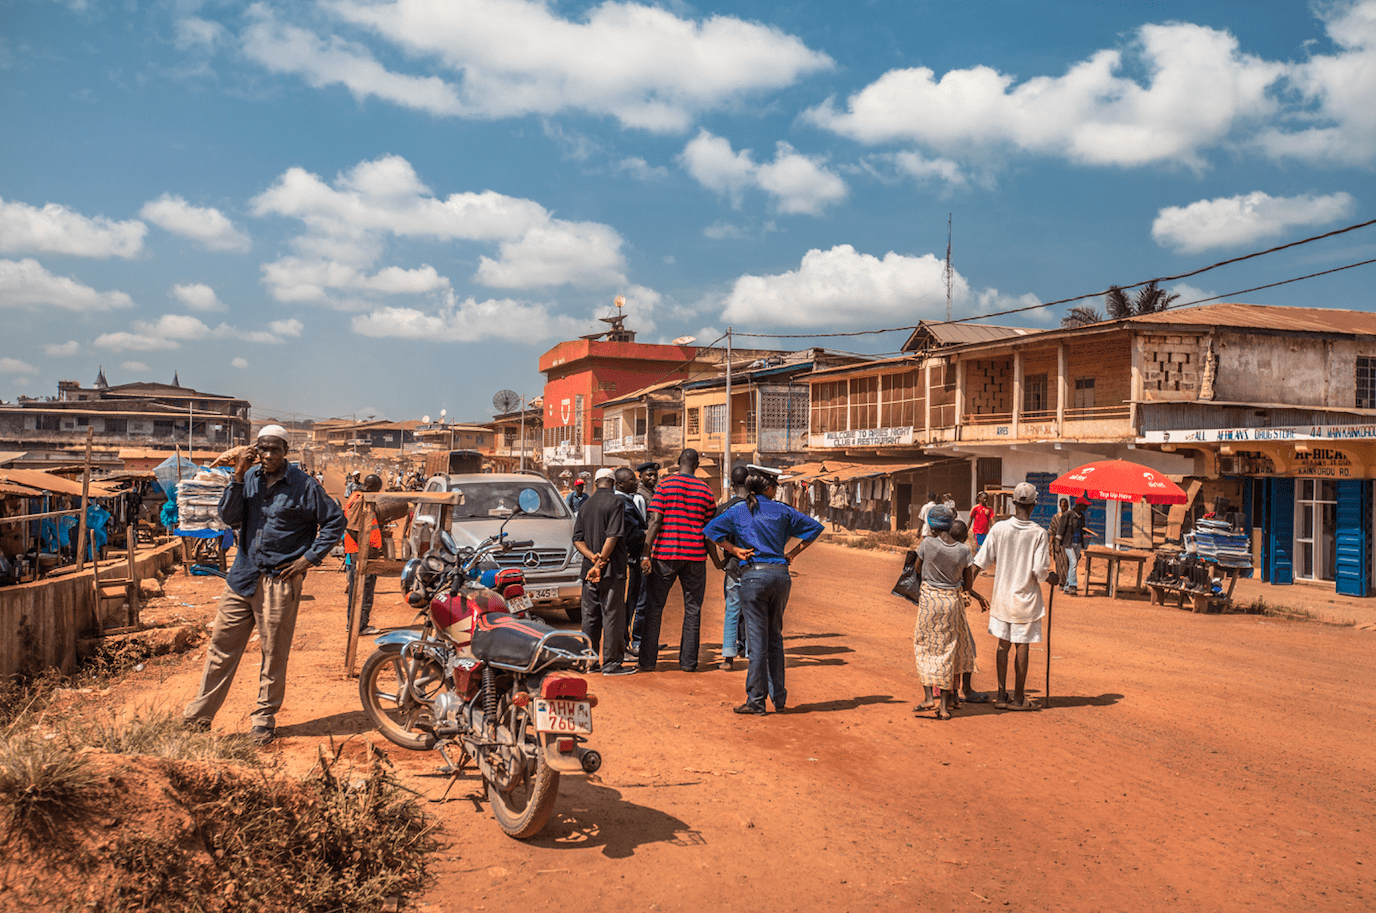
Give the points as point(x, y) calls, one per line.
point(498, 499)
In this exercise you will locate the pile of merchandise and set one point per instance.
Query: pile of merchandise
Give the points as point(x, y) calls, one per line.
point(1218, 542)
point(198, 500)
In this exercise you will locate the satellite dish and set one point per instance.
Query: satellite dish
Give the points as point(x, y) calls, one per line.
point(685, 340)
point(506, 400)
point(425, 418)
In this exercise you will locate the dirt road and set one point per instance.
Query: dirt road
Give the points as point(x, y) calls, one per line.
point(1188, 763)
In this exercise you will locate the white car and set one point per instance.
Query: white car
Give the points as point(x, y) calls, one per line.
point(551, 566)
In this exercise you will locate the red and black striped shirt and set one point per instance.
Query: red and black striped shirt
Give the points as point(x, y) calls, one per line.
point(687, 504)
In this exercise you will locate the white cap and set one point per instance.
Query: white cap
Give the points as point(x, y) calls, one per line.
point(276, 431)
point(1024, 493)
point(604, 473)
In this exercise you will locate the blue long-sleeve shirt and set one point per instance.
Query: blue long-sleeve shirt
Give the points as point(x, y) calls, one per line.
point(291, 518)
point(767, 530)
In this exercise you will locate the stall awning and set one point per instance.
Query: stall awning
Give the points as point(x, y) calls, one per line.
point(46, 481)
point(9, 489)
point(835, 470)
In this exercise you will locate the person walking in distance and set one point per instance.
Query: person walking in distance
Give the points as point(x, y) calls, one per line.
point(1021, 553)
point(1073, 543)
point(733, 632)
point(286, 525)
point(675, 550)
point(577, 497)
point(926, 509)
point(763, 527)
point(981, 518)
point(353, 526)
point(1057, 532)
point(598, 534)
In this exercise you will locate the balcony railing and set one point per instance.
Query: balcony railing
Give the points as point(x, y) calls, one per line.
point(1096, 413)
point(989, 418)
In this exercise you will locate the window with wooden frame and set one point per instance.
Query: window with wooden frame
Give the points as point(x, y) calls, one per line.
point(898, 397)
point(864, 402)
point(1366, 382)
point(1084, 393)
point(694, 422)
point(1034, 394)
point(829, 406)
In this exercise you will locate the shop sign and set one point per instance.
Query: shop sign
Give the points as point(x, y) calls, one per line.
point(1320, 462)
point(1273, 434)
point(868, 437)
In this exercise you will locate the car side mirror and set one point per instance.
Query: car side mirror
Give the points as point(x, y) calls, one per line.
point(528, 500)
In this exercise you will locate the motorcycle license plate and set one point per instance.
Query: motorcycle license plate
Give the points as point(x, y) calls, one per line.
point(563, 716)
point(542, 592)
point(518, 603)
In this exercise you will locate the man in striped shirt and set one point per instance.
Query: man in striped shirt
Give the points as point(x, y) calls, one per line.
point(676, 550)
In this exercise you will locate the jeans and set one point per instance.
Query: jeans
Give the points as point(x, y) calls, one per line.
point(369, 585)
point(692, 580)
point(764, 596)
point(604, 618)
point(634, 585)
point(1072, 557)
point(732, 631)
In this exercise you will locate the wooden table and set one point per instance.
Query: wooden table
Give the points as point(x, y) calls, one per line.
point(1113, 559)
point(1200, 602)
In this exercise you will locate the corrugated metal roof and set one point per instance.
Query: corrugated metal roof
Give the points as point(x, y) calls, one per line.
point(1268, 317)
point(643, 391)
point(959, 334)
point(33, 478)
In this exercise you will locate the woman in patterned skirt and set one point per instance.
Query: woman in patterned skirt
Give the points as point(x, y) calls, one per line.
point(942, 639)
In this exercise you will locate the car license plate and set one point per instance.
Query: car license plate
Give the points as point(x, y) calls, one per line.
point(518, 603)
point(563, 716)
point(543, 592)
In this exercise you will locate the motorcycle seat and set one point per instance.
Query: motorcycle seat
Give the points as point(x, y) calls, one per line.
point(511, 641)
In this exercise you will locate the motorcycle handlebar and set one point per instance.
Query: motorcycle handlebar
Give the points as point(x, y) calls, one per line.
point(524, 543)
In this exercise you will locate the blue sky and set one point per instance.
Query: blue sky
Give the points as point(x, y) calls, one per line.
point(392, 207)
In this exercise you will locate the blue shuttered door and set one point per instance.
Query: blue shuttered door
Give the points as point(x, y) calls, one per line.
point(1046, 501)
point(1354, 537)
point(1280, 530)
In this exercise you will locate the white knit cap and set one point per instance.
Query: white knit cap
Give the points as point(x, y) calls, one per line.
point(276, 431)
point(604, 473)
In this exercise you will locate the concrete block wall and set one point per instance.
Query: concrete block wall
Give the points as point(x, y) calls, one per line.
point(989, 386)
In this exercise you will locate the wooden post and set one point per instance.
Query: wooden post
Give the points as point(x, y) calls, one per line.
point(85, 501)
point(131, 537)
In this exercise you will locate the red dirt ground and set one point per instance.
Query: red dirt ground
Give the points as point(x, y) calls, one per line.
point(1188, 762)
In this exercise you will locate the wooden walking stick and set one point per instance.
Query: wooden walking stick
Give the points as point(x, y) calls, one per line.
point(1046, 699)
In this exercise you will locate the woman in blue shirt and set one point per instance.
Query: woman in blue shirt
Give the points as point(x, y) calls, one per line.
point(763, 527)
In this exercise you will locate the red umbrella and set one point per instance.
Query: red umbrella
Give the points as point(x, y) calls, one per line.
point(1118, 480)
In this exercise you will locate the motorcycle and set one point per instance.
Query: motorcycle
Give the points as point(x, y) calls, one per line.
point(497, 684)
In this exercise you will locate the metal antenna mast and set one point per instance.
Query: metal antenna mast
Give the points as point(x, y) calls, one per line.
point(947, 273)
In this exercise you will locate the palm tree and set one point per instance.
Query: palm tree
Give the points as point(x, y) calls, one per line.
point(1151, 299)
point(1081, 315)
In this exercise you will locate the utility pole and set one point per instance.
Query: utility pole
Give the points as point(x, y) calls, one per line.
point(523, 433)
point(948, 275)
point(726, 457)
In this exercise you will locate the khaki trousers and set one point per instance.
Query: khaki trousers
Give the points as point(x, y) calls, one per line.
point(272, 610)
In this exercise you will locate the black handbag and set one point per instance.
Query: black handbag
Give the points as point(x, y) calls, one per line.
point(909, 584)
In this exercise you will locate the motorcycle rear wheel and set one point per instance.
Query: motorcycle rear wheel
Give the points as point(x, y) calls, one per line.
point(525, 807)
point(393, 707)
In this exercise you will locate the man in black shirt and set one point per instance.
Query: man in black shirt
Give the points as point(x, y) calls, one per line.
point(601, 525)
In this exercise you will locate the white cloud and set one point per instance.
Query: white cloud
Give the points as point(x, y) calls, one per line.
point(55, 229)
point(205, 225)
point(134, 367)
point(844, 287)
point(334, 61)
point(1096, 113)
point(25, 283)
point(1246, 219)
point(15, 366)
point(641, 170)
point(171, 330)
point(347, 225)
point(239, 363)
point(197, 296)
point(921, 168)
point(192, 31)
point(1333, 114)
point(798, 183)
point(643, 65)
point(291, 327)
point(61, 349)
point(465, 321)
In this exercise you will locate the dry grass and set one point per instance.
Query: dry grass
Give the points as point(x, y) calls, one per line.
point(45, 789)
point(1260, 606)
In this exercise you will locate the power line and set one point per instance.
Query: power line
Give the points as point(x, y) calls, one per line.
point(1159, 279)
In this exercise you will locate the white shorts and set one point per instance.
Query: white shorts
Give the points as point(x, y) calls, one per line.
point(1018, 634)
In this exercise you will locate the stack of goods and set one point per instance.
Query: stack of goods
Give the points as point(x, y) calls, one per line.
point(1181, 570)
point(198, 500)
point(1216, 541)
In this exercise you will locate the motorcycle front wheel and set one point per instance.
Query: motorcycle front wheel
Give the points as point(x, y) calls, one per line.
point(523, 795)
point(402, 717)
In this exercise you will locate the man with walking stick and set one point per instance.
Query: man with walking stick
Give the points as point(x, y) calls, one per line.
point(1020, 551)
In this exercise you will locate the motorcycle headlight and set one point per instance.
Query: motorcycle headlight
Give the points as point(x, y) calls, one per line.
point(409, 572)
